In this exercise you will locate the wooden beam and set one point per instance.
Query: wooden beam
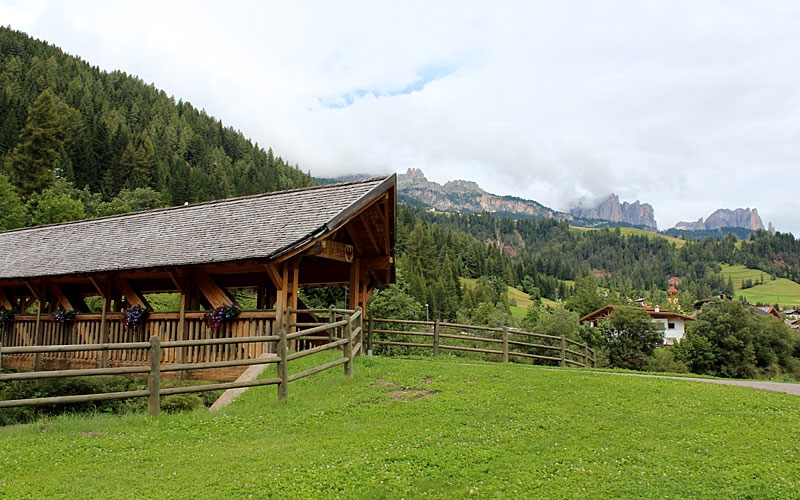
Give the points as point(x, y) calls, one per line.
point(370, 234)
point(4, 302)
point(99, 286)
point(132, 297)
point(177, 281)
point(376, 263)
point(387, 245)
point(275, 275)
point(61, 298)
point(215, 295)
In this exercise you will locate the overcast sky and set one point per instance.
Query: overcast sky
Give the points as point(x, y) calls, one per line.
point(687, 105)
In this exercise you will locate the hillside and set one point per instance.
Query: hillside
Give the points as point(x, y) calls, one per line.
point(761, 288)
point(72, 126)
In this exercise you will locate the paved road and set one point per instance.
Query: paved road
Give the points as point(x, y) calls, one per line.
point(793, 389)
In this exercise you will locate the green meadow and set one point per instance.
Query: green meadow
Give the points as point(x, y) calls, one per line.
point(779, 291)
point(425, 428)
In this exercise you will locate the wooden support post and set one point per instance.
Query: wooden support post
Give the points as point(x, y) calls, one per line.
point(563, 351)
point(505, 344)
point(348, 347)
point(436, 339)
point(182, 333)
point(104, 332)
point(37, 358)
point(283, 367)
point(154, 379)
point(585, 356)
point(370, 336)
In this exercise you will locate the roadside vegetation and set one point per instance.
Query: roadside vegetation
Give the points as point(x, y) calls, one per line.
point(417, 428)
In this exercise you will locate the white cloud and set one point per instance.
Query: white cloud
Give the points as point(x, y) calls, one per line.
point(689, 106)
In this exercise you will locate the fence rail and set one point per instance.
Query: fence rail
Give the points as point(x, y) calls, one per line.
point(343, 333)
point(504, 343)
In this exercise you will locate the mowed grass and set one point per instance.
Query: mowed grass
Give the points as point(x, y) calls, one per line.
point(780, 291)
point(424, 428)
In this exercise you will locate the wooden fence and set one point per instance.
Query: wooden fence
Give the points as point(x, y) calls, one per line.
point(499, 344)
point(159, 356)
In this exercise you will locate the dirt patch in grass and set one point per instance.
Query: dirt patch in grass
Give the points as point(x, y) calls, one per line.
point(384, 384)
point(410, 395)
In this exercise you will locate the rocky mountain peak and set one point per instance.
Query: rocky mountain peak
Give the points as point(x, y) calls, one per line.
point(610, 209)
point(723, 217)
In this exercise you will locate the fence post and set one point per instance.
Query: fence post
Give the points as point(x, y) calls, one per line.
point(348, 347)
point(283, 367)
point(563, 351)
point(154, 379)
point(505, 344)
point(436, 337)
point(331, 319)
point(585, 355)
point(360, 326)
point(369, 336)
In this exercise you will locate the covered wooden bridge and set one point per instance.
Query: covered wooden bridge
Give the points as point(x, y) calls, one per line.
point(272, 245)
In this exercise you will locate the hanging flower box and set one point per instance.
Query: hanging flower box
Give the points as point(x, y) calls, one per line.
point(63, 316)
point(133, 318)
point(215, 317)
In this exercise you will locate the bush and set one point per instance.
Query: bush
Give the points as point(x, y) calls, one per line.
point(663, 360)
point(28, 389)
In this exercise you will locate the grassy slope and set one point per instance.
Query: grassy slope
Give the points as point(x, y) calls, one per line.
point(523, 299)
point(781, 290)
point(489, 431)
point(641, 232)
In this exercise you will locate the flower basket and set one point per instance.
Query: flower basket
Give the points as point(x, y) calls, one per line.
point(215, 317)
point(63, 316)
point(133, 318)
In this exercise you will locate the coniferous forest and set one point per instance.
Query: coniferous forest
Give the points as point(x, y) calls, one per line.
point(77, 141)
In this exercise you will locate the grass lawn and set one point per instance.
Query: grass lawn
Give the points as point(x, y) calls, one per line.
point(419, 428)
point(780, 291)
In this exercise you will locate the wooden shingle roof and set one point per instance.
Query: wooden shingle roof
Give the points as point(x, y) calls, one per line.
point(265, 226)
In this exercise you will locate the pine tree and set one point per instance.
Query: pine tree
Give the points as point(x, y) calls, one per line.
point(41, 157)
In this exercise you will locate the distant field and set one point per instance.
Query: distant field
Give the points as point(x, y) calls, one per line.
point(780, 291)
point(640, 232)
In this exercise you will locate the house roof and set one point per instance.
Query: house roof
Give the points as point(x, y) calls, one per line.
point(603, 312)
point(265, 226)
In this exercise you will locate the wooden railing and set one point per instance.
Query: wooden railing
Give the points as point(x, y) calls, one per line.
point(344, 330)
point(499, 344)
point(88, 329)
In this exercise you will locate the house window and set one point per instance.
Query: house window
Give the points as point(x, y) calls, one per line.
point(671, 326)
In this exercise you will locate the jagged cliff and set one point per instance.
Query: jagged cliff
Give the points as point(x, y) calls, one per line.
point(610, 209)
point(467, 197)
point(741, 217)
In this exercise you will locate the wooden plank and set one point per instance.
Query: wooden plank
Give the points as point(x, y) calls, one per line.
point(333, 250)
point(215, 295)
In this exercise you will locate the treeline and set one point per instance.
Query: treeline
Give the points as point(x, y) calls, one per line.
point(70, 126)
point(546, 257)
